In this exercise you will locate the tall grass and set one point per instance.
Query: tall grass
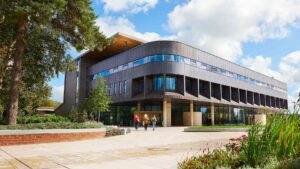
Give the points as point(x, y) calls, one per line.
point(279, 138)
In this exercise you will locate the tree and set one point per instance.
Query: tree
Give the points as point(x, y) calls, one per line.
point(98, 100)
point(54, 25)
point(50, 103)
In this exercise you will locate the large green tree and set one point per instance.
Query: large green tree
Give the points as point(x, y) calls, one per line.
point(36, 34)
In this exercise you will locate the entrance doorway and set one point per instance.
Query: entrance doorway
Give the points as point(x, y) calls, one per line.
point(177, 110)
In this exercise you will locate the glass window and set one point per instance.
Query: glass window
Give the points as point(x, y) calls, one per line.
point(158, 83)
point(115, 88)
point(111, 89)
point(104, 73)
point(186, 60)
point(130, 65)
point(120, 87)
point(138, 62)
point(201, 65)
point(170, 83)
point(125, 87)
point(178, 58)
point(115, 69)
point(170, 58)
point(120, 68)
point(125, 66)
point(214, 69)
point(193, 62)
point(156, 58)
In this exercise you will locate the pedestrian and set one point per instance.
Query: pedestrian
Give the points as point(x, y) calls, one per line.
point(153, 120)
point(136, 121)
point(145, 121)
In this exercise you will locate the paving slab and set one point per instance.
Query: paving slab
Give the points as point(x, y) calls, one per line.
point(162, 148)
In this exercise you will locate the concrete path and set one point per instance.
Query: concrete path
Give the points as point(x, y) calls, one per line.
point(163, 148)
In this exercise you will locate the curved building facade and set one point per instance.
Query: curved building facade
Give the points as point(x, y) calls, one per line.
point(178, 83)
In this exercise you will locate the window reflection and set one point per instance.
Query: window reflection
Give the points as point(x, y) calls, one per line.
point(170, 83)
point(177, 58)
point(158, 83)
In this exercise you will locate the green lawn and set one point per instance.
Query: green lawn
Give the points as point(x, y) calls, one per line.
point(228, 126)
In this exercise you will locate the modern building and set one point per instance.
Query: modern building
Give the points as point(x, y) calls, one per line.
point(178, 83)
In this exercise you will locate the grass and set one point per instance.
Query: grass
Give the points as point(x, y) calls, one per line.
point(52, 125)
point(221, 127)
point(275, 145)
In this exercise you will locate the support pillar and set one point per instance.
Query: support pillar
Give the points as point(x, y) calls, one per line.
point(138, 106)
point(192, 112)
point(212, 114)
point(166, 113)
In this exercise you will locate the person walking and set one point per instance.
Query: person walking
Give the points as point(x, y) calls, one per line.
point(146, 121)
point(136, 121)
point(153, 120)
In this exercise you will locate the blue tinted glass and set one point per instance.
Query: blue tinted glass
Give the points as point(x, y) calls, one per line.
point(193, 62)
point(203, 109)
point(178, 58)
point(169, 58)
point(186, 60)
point(214, 69)
point(170, 83)
point(156, 58)
point(158, 83)
point(138, 62)
point(105, 73)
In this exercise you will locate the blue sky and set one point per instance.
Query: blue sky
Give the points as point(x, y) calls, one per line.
point(263, 35)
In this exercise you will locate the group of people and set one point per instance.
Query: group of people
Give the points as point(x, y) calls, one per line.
point(145, 121)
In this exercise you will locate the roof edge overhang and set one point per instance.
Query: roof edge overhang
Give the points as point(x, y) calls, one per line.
point(120, 43)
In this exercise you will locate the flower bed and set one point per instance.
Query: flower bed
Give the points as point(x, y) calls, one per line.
point(274, 146)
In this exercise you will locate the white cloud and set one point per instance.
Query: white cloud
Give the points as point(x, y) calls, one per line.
point(263, 64)
point(58, 93)
point(111, 25)
point(221, 26)
point(288, 71)
point(129, 6)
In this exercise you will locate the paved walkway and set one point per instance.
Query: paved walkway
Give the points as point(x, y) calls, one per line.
point(163, 148)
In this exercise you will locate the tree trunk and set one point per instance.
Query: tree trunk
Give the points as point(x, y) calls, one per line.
point(17, 68)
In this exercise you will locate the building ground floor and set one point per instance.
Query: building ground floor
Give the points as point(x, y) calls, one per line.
point(184, 113)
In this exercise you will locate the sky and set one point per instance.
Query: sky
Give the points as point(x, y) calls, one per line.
point(263, 35)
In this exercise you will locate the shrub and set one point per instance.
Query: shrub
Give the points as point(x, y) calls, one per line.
point(113, 132)
point(73, 114)
point(273, 146)
point(41, 119)
point(51, 125)
point(215, 159)
point(82, 116)
point(280, 138)
point(254, 151)
point(289, 164)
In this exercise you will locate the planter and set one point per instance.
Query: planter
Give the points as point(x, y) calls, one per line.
point(19, 137)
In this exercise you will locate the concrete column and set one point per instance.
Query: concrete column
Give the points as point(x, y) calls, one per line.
point(260, 119)
point(166, 113)
point(212, 113)
point(229, 113)
point(192, 112)
point(138, 106)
